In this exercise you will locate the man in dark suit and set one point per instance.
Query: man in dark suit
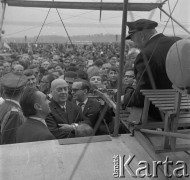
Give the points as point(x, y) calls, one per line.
point(149, 66)
point(89, 107)
point(35, 106)
point(65, 116)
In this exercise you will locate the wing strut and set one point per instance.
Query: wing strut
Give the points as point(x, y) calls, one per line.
point(1, 22)
point(121, 65)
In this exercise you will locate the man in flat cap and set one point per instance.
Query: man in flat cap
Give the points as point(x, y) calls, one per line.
point(149, 66)
point(11, 116)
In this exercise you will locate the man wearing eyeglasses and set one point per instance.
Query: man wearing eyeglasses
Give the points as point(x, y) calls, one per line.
point(65, 116)
point(89, 107)
point(128, 83)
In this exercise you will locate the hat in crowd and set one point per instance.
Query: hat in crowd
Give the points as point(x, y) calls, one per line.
point(96, 73)
point(70, 76)
point(82, 75)
point(13, 82)
point(140, 25)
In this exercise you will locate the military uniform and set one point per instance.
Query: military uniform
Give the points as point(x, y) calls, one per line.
point(152, 55)
point(11, 116)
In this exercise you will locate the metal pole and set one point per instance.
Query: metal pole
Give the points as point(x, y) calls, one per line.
point(121, 64)
point(1, 25)
point(174, 20)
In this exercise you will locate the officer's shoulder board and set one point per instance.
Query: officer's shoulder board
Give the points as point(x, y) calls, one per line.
point(13, 109)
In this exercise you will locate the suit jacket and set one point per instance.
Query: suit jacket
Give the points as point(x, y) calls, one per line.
point(92, 110)
point(33, 130)
point(154, 55)
point(58, 116)
point(11, 118)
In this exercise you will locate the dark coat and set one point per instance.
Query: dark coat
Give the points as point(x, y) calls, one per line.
point(11, 118)
point(92, 110)
point(33, 130)
point(154, 55)
point(58, 116)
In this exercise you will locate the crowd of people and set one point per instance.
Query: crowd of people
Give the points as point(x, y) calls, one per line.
point(48, 90)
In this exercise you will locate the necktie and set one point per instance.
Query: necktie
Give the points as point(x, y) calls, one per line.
point(63, 108)
point(80, 106)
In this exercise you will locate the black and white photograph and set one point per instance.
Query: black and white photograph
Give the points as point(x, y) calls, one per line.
point(94, 89)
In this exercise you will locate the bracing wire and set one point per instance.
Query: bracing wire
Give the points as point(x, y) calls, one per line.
point(65, 28)
point(42, 25)
point(171, 19)
point(34, 27)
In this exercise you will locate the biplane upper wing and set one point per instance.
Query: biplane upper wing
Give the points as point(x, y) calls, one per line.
point(85, 5)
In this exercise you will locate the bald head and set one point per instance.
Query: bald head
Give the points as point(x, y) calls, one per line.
point(59, 91)
point(58, 82)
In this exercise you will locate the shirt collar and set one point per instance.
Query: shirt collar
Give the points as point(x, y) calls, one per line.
point(77, 102)
point(63, 106)
point(14, 101)
point(38, 119)
point(153, 35)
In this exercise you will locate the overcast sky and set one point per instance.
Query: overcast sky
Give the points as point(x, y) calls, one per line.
point(20, 22)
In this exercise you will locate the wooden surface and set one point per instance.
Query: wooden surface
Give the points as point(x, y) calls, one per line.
point(164, 100)
point(175, 110)
point(50, 161)
point(151, 142)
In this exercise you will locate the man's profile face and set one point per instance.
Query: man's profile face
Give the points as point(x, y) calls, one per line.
point(43, 101)
point(60, 93)
point(77, 91)
point(137, 38)
point(44, 84)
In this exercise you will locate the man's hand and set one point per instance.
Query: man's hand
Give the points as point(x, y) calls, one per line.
point(66, 127)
